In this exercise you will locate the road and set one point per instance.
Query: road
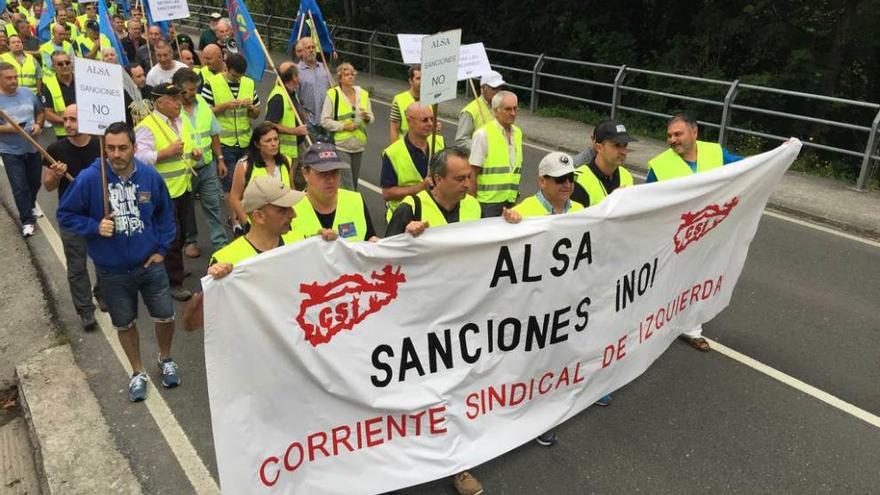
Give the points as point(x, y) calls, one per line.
point(805, 307)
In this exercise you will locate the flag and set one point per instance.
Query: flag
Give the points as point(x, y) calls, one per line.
point(249, 46)
point(163, 25)
point(108, 32)
point(2, 5)
point(44, 31)
point(305, 7)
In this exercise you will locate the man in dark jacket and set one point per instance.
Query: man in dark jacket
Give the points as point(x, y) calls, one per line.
point(127, 246)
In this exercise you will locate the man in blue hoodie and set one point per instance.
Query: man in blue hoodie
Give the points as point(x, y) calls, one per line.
point(128, 247)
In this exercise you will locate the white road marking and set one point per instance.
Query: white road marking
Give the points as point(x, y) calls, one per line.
point(779, 216)
point(796, 384)
point(192, 465)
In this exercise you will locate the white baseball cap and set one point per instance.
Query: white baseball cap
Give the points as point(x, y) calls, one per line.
point(556, 164)
point(492, 79)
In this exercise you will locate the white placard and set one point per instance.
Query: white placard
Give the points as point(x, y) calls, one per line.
point(372, 367)
point(472, 61)
point(167, 10)
point(99, 98)
point(410, 47)
point(440, 66)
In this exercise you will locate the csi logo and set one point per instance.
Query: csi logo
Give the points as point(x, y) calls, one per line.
point(343, 303)
point(695, 225)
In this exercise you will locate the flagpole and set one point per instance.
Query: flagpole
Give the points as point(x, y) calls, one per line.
point(301, 25)
point(323, 59)
point(31, 140)
point(434, 108)
point(278, 81)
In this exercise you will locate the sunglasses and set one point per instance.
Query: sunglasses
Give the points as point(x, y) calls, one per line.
point(561, 179)
point(62, 64)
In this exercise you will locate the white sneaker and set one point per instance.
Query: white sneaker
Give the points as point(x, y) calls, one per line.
point(28, 230)
point(37, 211)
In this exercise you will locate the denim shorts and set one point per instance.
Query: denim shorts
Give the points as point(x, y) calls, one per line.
point(120, 291)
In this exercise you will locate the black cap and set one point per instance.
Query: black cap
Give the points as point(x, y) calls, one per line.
point(166, 90)
point(93, 25)
point(323, 158)
point(612, 130)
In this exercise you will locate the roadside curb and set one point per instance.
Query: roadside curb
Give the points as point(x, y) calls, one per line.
point(73, 447)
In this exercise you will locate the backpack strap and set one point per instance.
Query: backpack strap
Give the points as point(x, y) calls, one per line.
point(417, 211)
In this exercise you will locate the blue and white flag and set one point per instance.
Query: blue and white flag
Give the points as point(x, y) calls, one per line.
point(249, 45)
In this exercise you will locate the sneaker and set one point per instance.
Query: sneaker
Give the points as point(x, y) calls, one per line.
point(137, 387)
point(181, 293)
point(548, 439)
point(604, 401)
point(37, 211)
point(28, 230)
point(170, 378)
point(192, 250)
point(465, 484)
point(88, 321)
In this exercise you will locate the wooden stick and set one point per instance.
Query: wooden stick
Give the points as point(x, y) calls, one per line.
point(104, 191)
point(301, 25)
point(284, 93)
point(477, 96)
point(176, 43)
point(324, 60)
point(434, 109)
point(31, 140)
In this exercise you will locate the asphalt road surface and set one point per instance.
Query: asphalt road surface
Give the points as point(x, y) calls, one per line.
point(695, 422)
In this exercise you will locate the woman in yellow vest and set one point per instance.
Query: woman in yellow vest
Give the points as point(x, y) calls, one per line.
point(346, 113)
point(263, 158)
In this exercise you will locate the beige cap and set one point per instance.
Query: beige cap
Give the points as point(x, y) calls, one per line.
point(265, 190)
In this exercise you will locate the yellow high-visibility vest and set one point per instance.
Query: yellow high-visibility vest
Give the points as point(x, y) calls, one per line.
point(350, 221)
point(532, 207)
point(175, 170)
point(235, 125)
point(594, 187)
point(287, 142)
point(346, 113)
point(405, 167)
point(27, 70)
point(468, 209)
point(669, 165)
point(498, 181)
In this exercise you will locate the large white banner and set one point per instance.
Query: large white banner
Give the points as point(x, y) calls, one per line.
point(340, 368)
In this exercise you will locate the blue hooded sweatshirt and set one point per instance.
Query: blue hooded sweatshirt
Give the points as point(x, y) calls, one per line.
point(142, 209)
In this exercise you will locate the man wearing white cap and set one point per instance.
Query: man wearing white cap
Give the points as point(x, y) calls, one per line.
point(478, 113)
point(269, 204)
point(555, 184)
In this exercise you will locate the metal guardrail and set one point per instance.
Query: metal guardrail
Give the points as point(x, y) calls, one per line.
point(527, 71)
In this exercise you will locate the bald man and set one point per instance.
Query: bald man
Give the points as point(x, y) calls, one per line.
point(212, 61)
point(405, 161)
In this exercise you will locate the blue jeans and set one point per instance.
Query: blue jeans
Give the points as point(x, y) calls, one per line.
point(24, 173)
point(207, 186)
point(231, 155)
point(120, 291)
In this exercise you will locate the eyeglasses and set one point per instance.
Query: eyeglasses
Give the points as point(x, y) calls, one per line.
point(61, 64)
point(561, 179)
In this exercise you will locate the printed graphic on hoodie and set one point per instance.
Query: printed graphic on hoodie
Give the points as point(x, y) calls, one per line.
point(124, 205)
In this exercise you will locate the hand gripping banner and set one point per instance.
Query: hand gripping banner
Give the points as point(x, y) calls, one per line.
point(340, 368)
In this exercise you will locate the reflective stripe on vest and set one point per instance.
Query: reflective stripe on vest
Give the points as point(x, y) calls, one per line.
point(287, 142)
point(235, 125)
point(468, 209)
point(54, 87)
point(27, 72)
point(346, 114)
point(174, 169)
point(668, 165)
point(498, 182)
point(403, 100)
point(405, 168)
point(532, 207)
point(350, 221)
point(594, 187)
point(479, 112)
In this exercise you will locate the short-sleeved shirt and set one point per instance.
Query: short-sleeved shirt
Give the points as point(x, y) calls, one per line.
point(22, 106)
point(388, 176)
point(77, 158)
point(208, 93)
point(158, 76)
point(68, 93)
point(480, 147)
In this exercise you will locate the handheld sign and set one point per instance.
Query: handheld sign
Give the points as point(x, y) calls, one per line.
point(99, 97)
point(472, 61)
point(410, 47)
point(440, 66)
point(168, 10)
